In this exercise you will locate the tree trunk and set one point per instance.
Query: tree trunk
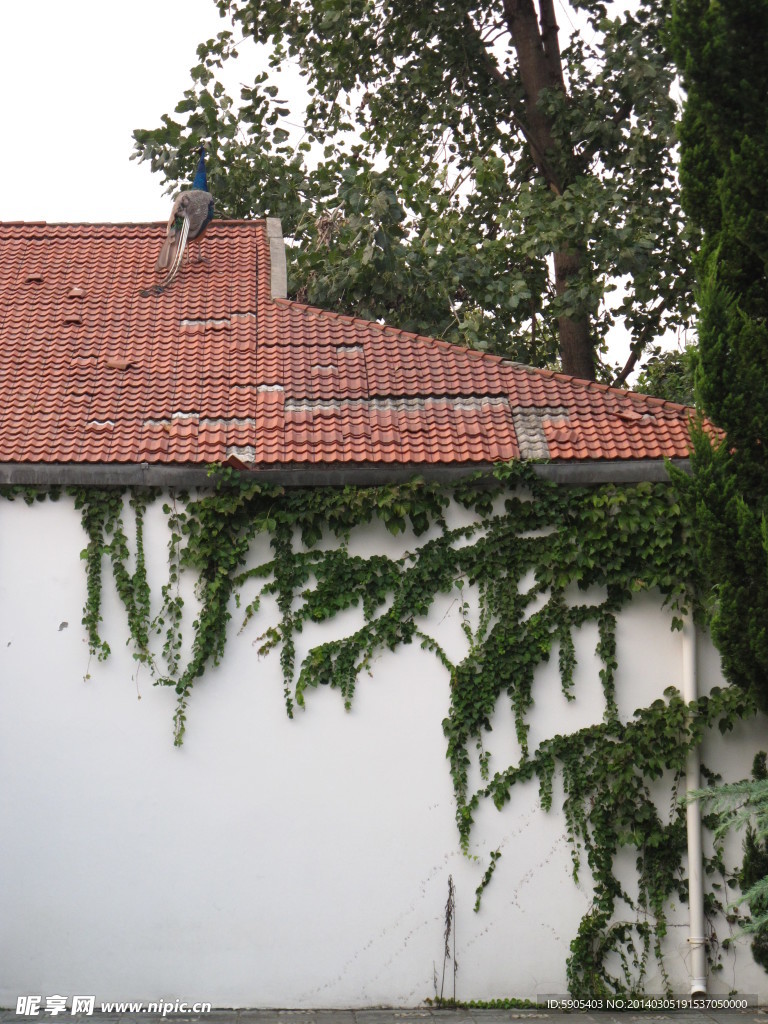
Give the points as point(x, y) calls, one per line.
point(538, 56)
point(536, 73)
point(576, 349)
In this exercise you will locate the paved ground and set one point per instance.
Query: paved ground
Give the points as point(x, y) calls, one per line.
point(399, 1016)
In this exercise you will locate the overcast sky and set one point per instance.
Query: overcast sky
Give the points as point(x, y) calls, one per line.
point(76, 77)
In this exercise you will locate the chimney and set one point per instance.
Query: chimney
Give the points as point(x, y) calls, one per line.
point(278, 275)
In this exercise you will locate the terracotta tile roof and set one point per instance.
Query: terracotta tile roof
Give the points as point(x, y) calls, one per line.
point(215, 369)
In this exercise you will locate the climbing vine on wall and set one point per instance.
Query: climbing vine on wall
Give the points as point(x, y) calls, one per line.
point(102, 518)
point(543, 561)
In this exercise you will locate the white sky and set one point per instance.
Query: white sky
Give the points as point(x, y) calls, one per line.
point(76, 77)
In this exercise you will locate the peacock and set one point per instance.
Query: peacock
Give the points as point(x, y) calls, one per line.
point(191, 214)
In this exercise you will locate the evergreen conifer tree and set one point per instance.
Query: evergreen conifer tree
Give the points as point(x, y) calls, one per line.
point(722, 51)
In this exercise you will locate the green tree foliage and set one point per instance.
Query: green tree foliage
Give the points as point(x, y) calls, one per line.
point(669, 375)
point(459, 174)
point(755, 868)
point(745, 805)
point(722, 50)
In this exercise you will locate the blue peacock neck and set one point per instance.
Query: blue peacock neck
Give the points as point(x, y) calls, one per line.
point(201, 182)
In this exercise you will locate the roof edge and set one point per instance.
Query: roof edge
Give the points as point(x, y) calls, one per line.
point(217, 222)
point(145, 475)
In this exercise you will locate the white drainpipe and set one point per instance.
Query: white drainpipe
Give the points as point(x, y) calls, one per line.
point(696, 937)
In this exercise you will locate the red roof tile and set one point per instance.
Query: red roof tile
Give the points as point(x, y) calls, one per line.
point(215, 369)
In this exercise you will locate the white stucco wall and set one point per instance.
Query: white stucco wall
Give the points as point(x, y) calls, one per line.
point(272, 862)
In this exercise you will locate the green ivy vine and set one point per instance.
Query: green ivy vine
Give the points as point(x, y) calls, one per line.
point(102, 518)
point(529, 550)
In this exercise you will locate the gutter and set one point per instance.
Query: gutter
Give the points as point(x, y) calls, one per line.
point(574, 474)
point(696, 938)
